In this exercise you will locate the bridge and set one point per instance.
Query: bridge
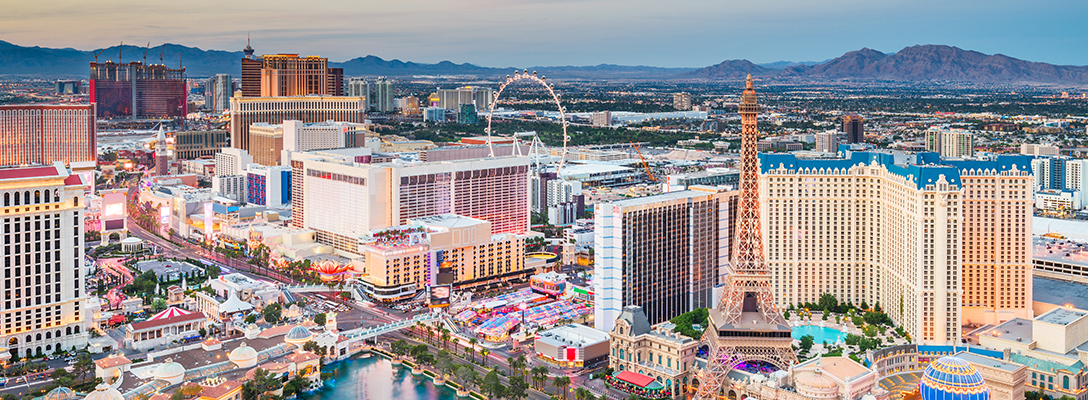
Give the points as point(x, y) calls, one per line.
point(357, 291)
point(375, 331)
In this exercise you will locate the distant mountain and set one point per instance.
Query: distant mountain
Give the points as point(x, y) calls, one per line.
point(729, 69)
point(15, 59)
point(915, 63)
point(610, 71)
point(787, 64)
point(371, 65)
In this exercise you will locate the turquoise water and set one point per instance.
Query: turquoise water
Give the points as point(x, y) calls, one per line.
point(376, 378)
point(820, 333)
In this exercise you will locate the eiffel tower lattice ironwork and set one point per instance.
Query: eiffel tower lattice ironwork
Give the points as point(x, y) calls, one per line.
point(746, 325)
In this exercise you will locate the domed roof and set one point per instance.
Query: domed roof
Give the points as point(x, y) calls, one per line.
point(168, 369)
point(815, 380)
point(951, 378)
point(60, 393)
point(242, 353)
point(104, 392)
point(299, 333)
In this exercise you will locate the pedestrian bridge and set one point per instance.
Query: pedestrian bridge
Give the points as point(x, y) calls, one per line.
point(375, 331)
point(357, 291)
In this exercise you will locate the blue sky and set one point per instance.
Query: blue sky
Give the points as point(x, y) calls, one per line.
point(524, 33)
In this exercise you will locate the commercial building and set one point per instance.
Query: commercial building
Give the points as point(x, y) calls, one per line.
point(1038, 150)
point(828, 142)
point(950, 142)
point(435, 114)
point(728, 177)
point(1060, 183)
point(230, 187)
point(452, 99)
point(189, 145)
point(342, 197)
point(134, 90)
point(571, 346)
point(280, 75)
point(937, 243)
point(217, 93)
point(598, 174)
point(467, 114)
point(603, 118)
point(266, 143)
point(654, 351)
point(268, 186)
point(681, 101)
point(853, 128)
point(69, 87)
point(664, 253)
point(47, 133)
point(383, 96)
point(401, 260)
point(246, 111)
point(411, 106)
point(232, 161)
point(1051, 346)
point(358, 87)
point(43, 220)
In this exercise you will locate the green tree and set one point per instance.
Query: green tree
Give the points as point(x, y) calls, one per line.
point(319, 319)
point(828, 302)
point(483, 357)
point(272, 313)
point(158, 304)
point(298, 384)
point(251, 318)
point(806, 342)
point(466, 376)
point(492, 386)
point(260, 385)
point(83, 365)
point(562, 383)
point(539, 374)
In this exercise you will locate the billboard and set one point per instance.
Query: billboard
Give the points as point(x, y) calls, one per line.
point(440, 295)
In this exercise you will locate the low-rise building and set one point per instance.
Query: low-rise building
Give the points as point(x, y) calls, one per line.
point(572, 346)
point(1053, 347)
point(164, 328)
point(655, 351)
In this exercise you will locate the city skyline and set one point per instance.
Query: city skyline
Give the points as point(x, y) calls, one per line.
point(545, 33)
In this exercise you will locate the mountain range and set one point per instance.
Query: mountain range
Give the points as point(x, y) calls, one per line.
point(915, 63)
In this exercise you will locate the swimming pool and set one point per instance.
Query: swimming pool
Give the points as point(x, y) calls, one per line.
point(819, 333)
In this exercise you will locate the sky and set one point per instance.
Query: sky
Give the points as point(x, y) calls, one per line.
point(526, 33)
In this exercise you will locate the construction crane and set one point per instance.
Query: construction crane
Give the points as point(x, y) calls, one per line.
point(96, 55)
point(649, 174)
point(146, 48)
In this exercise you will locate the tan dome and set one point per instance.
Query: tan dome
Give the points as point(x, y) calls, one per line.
point(815, 384)
point(244, 356)
point(104, 392)
point(170, 371)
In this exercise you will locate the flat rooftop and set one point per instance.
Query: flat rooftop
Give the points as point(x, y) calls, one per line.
point(1053, 291)
point(573, 334)
point(987, 361)
point(1060, 250)
point(638, 201)
point(1061, 316)
point(1016, 329)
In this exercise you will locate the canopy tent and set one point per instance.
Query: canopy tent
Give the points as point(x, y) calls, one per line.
point(635, 378)
point(169, 313)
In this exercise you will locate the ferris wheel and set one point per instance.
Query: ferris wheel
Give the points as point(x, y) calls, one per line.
point(525, 75)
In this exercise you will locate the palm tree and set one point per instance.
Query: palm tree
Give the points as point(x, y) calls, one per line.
point(483, 357)
point(419, 327)
point(445, 338)
point(582, 394)
point(472, 353)
point(466, 376)
point(539, 373)
point(473, 342)
point(430, 332)
point(562, 383)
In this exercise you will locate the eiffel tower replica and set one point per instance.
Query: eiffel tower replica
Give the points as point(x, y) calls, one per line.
point(746, 325)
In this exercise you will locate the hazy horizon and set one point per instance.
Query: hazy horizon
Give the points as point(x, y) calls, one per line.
point(516, 33)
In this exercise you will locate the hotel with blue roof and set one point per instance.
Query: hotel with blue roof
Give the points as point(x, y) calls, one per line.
point(937, 242)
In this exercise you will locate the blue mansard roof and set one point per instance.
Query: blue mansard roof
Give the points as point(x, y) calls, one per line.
point(920, 168)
